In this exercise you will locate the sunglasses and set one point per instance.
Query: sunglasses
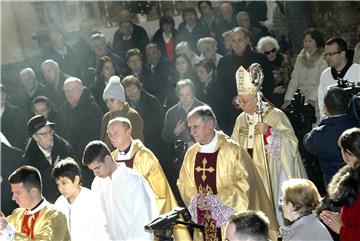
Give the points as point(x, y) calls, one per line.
point(270, 52)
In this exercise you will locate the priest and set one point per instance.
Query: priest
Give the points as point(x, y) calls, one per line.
point(269, 138)
point(218, 179)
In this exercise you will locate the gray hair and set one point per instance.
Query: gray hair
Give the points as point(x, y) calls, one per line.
point(73, 80)
point(50, 62)
point(180, 46)
point(27, 71)
point(98, 36)
point(125, 122)
point(206, 41)
point(266, 40)
point(205, 113)
point(183, 83)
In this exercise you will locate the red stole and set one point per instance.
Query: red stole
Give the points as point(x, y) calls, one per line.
point(129, 163)
point(29, 223)
point(205, 180)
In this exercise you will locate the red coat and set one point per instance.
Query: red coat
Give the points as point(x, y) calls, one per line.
point(350, 231)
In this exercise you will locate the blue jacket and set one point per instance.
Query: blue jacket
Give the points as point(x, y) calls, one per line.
point(322, 142)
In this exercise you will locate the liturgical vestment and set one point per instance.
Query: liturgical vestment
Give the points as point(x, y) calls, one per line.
point(281, 145)
point(225, 174)
point(44, 223)
point(142, 160)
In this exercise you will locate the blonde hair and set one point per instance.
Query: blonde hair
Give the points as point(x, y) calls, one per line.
point(357, 54)
point(302, 193)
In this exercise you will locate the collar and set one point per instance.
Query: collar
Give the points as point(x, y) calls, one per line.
point(211, 146)
point(125, 154)
point(43, 203)
point(339, 75)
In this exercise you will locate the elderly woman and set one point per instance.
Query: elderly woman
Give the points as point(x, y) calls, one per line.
point(281, 67)
point(309, 65)
point(344, 190)
point(185, 48)
point(299, 202)
point(207, 47)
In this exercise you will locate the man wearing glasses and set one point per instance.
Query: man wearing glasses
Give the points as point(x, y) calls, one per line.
point(341, 67)
point(43, 150)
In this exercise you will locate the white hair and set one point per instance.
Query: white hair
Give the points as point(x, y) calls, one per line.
point(207, 41)
point(73, 80)
point(266, 40)
point(27, 71)
point(180, 46)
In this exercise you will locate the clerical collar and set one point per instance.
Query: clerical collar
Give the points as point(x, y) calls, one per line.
point(124, 152)
point(37, 207)
point(211, 146)
point(340, 74)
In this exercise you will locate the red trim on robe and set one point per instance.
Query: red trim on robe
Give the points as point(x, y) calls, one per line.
point(29, 223)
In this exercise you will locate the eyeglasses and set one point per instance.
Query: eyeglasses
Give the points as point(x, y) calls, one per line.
point(244, 102)
point(331, 53)
point(270, 52)
point(47, 133)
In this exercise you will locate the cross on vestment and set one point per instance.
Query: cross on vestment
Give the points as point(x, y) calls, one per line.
point(203, 169)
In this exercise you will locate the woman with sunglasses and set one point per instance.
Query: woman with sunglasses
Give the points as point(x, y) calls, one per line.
point(281, 67)
point(344, 190)
point(300, 199)
point(309, 65)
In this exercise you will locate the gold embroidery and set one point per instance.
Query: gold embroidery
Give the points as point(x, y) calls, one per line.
point(203, 169)
point(244, 131)
point(209, 228)
point(207, 190)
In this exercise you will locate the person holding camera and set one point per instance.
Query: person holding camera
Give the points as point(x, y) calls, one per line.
point(344, 190)
point(322, 140)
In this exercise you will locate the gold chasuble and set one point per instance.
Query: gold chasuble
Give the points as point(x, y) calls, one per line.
point(142, 160)
point(45, 223)
point(231, 183)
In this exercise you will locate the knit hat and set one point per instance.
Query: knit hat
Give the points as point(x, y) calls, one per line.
point(114, 89)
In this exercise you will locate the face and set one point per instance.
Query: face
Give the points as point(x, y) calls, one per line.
point(126, 29)
point(288, 210)
point(186, 96)
point(114, 105)
point(190, 18)
point(98, 46)
point(332, 57)
point(231, 232)
point(269, 51)
point(50, 72)
point(226, 11)
point(45, 137)
point(309, 44)
point(239, 41)
point(28, 81)
point(209, 51)
point(73, 93)
point(167, 27)
point(57, 41)
point(248, 103)
point(203, 75)
point(135, 63)
point(68, 188)
point(118, 135)
point(101, 169)
point(243, 20)
point(21, 195)
point(153, 55)
point(201, 131)
point(348, 157)
point(181, 65)
point(205, 8)
point(40, 108)
point(133, 92)
point(108, 70)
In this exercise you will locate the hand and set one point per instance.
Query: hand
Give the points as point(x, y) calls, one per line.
point(180, 127)
point(202, 203)
point(279, 90)
point(3, 221)
point(262, 128)
point(286, 104)
point(332, 220)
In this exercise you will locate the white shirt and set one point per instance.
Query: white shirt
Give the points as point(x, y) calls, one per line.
point(128, 202)
point(85, 216)
point(326, 80)
point(211, 146)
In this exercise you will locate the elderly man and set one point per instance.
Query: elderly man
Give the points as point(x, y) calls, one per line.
point(100, 49)
point(43, 150)
point(269, 139)
point(218, 176)
point(126, 197)
point(36, 218)
point(31, 89)
point(248, 225)
point(341, 67)
point(55, 79)
point(158, 80)
point(129, 36)
point(175, 124)
point(133, 154)
point(79, 118)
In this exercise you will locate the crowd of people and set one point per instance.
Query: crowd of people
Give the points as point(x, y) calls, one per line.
point(88, 145)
